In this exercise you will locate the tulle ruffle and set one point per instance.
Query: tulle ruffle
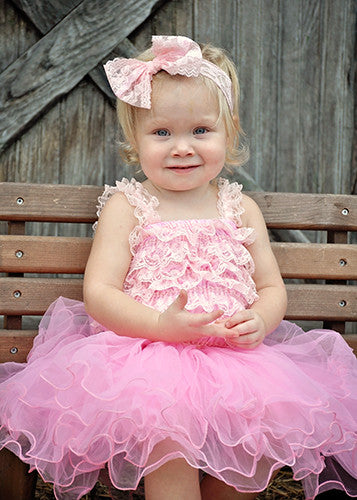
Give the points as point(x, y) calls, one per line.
point(133, 405)
point(207, 258)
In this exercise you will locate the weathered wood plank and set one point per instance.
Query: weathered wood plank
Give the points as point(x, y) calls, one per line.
point(15, 345)
point(77, 203)
point(28, 296)
point(43, 254)
point(69, 255)
point(316, 260)
point(45, 202)
point(45, 14)
point(60, 59)
point(315, 99)
point(308, 211)
point(311, 302)
point(317, 302)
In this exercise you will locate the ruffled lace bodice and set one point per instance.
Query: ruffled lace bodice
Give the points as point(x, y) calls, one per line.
point(206, 257)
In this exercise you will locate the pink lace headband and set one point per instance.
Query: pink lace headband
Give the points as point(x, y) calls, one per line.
point(130, 79)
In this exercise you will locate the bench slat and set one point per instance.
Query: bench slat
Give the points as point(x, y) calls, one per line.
point(47, 254)
point(308, 210)
point(15, 344)
point(27, 296)
point(20, 342)
point(322, 302)
point(316, 260)
point(44, 202)
point(312, 302)
point(44, 254)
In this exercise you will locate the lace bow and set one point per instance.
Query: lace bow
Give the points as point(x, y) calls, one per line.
point(130, 79)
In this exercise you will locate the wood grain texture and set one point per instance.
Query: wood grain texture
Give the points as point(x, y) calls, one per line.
point(44, 254)
point(45, 202)
point(317, 302)
point(15, 346)
point(316, 261)
point(45, 14)
point(62, 58)
point(35, 295)
point(296, 65)
point(48, 202)
point(312, 302)
point(68, 255)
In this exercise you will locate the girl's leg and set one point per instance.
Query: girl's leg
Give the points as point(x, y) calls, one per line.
point(175, 480)
point(214, 489)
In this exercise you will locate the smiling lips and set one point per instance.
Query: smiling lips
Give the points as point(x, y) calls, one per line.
point(183, 168)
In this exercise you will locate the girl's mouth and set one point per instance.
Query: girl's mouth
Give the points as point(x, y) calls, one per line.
point(183, 168)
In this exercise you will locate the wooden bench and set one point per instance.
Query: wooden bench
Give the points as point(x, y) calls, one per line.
point(319, 274)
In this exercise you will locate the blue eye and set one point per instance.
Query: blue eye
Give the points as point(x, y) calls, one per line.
point(200, 130)
point(162, 132)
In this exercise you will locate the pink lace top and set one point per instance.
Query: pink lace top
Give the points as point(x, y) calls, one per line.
point(206, 257)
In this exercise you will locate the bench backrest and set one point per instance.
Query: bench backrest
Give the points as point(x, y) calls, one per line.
point(30, 264)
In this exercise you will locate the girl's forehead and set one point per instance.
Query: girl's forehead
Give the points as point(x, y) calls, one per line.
point(181, 91)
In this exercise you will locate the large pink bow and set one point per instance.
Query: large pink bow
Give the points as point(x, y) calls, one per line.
point(130, 79)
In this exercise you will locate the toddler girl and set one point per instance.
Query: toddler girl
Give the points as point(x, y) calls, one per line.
point(179, 360)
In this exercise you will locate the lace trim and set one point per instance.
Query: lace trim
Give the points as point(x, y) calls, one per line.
point(195, 255)
point(145, 206)
point(229, 200)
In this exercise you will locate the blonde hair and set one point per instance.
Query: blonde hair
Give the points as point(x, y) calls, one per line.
point(237, 152)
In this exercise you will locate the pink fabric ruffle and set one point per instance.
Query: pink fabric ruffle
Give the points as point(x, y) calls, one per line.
point(87, 399)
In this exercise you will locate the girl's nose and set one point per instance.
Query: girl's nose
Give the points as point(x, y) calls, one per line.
point(182, 148)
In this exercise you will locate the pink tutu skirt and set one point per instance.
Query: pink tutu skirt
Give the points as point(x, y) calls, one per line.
point(86, 400)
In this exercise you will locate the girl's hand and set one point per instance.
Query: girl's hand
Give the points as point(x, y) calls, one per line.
point(247, 329)
point(176, 324)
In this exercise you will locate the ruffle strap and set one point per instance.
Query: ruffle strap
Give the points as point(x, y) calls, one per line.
point(229, 200)
point(144, 203)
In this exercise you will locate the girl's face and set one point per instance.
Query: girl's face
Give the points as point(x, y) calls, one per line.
point(180, 142)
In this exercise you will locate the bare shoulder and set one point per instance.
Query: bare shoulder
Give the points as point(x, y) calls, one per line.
point(117, 214)
point(252, 215)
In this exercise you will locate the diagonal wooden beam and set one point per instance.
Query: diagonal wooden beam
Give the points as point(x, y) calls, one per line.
point(55, 64)
point(45, 14)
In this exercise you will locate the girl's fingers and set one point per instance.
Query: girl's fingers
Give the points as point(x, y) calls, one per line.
point(180, 302)
point(239, 318)
point(202, 319)
point(247, 327)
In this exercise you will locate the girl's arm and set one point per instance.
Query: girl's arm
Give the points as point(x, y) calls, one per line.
point(105, 273)
point(249, 327)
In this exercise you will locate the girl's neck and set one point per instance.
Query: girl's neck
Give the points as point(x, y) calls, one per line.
point(197, 203)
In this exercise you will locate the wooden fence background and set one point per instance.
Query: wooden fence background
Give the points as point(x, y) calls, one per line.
point(297, 68)
point(296, 61)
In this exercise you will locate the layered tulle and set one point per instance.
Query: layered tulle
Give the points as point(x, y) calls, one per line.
point(89, 399)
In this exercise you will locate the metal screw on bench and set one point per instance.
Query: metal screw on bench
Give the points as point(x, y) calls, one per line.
point(343, 262)
point(19, 254)
point(14, 350)
point(342, 303)
point(17, 294)
point(20, 201)
point(345, 211)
